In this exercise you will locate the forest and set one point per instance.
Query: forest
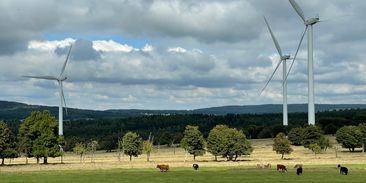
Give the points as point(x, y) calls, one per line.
point(168, 129)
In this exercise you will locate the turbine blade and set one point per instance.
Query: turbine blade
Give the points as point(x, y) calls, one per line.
point(297, 9)
point(297, 50)
point(67, 58)
point(273, 38)
point(42, 77)
point(63, 97)
point(279, 63)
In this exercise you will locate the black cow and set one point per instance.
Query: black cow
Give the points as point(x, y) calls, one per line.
point(299, 171)
point(343, 170)
point(195, 166)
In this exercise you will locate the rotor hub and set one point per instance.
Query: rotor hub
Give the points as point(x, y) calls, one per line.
point(312, 21)
point(285, 57)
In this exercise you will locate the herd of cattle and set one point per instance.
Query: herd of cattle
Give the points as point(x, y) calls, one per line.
point(280, 168)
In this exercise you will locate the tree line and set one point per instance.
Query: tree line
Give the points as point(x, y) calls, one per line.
point(29, 136)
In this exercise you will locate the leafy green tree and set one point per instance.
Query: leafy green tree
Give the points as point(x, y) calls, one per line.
point(132, 144)
point(311, 135)
point(216, 139)
point(193, 141)
point(92, 148)
point(148, 147)
point(38, 136)
point(324, 143)
point(80, 149)
point(282, 145)
point(315, 148)
point(350, 137)
point(235, 144)
point(7, 143)
point(228, 142)
point(295, 136)
point(362, 127)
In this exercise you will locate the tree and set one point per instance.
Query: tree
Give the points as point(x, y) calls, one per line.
point(235, 144)
point(7, 143)
point(193, 141)
point(215, 140)
point(311, 135)
point(282, 145)
point(80, 149)
point(324, 143)
point(315, 148)
point(228, 142)
point(350, 137)
point(362, 127)
point(38, 136)
point(148, 146)
point(132, 144)
point(295, 136)
point(92, 147)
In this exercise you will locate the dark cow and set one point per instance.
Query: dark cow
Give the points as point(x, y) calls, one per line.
point(195, 166)
point(298, 169)
point(343, 170)
point(281, 168)
point(163, 168)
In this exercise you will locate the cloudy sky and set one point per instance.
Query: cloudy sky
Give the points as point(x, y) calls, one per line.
point(178, 54)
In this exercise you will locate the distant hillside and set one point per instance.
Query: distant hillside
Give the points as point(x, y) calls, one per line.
point(15, 110)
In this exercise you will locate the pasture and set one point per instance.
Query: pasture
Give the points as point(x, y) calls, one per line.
point(184, 175)
point(107, 167)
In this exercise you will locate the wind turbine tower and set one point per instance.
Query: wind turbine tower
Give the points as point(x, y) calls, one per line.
point(308, 27)
point(61, 78)
point(283, 60)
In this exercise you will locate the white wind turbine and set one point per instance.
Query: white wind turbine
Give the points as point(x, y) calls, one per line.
point(283, 59)
point(308, 27)
point(59, 80)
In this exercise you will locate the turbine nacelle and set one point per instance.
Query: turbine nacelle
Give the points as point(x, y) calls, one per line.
point(312, 21)
point(285, 57)
point(62, 78)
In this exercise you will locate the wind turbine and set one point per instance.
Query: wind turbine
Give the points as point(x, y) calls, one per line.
point(61, 78)
point(308, 27)
point(283, 59)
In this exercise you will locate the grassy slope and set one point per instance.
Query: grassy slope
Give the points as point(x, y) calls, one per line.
point(186, 175)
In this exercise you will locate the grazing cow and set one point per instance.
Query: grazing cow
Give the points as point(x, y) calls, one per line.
point(298, 166)
point(281, 168)
point(195, 166)
point(267, 165)
point(259, 166)
point(163, 168)
point(343, 170)
point(299, 171)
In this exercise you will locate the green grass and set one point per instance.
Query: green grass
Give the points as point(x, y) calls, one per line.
point(187, 175)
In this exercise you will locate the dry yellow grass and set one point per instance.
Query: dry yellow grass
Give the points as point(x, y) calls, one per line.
point(262, 154)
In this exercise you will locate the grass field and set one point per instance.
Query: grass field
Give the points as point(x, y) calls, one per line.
point(107, 167)
point(186, 175)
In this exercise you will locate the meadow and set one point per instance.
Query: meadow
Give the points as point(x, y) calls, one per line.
point(108, 168)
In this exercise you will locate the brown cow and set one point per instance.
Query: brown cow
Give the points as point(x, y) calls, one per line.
point(267, 165)
point(163, 168)
point(281, 168)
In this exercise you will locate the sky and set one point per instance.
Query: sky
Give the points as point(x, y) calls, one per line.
point(134, 54)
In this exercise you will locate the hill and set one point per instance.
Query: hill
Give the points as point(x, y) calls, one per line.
point(16, 110)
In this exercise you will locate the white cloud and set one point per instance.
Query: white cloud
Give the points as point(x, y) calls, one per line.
point(50, 45)
point(147, 48)
point(110, 45)
point(177, 50)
